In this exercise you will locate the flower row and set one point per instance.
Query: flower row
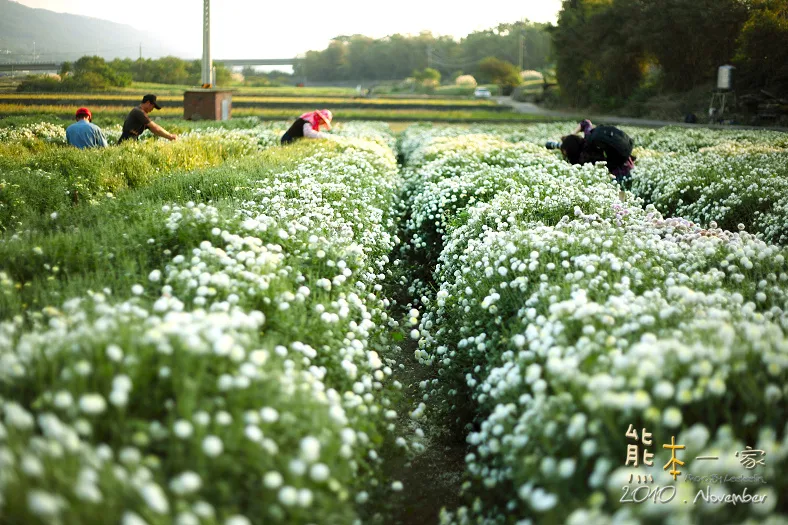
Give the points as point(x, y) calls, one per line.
point(247, 381)
point(563, 315)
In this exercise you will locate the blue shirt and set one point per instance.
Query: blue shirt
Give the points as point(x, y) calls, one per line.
point(84, 134)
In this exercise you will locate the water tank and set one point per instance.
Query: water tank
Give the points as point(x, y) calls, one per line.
point(725, 78)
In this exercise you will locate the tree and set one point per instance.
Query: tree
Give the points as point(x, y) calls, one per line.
point(762, 56)
point(97, 74)
point(690, 39)
point(598, 60)
point(500, 72)
point(427, 75)
point(65, 69)
point(396, 56)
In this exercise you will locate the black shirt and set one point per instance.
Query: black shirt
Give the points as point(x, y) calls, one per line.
point(136, 123)
point(296, 131)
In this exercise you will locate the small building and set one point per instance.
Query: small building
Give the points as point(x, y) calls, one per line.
point(207, 104)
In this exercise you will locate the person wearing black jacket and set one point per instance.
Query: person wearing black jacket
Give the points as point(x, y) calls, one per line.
point(602, 143)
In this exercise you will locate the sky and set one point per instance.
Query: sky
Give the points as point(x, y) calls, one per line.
point(287, 28)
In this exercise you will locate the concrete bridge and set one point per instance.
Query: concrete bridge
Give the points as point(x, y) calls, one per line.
point(55, 66)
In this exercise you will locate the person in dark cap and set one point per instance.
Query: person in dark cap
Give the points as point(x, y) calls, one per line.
point(83, 133)
point(138, 121)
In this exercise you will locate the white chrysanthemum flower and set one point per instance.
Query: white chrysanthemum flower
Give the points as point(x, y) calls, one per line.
point(204, 510)
point(186, 518)
point(566, 468)
point(44, 504)
point(288, 496)
point(155, 498)
point(273, 480)
point(63, 400)
point(92, 404)
point(186, 483)
point(88, 493)
point(130, 518)
point(237, 519)
point(212, 446)
point(671, 417)
point(542, 501)
point(18, 417)
point(310, 449)
point(119, 398)
point(319, 472)
point(154, 276)
point(114, 353)
point(183, 429)
point(663, 390)
point(269, 415)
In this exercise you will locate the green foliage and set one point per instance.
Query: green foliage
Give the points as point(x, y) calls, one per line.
point(55, 178)
point(427, 75)
point(598, 59)
point(359, 57)
point(95, 74)
point(86, 74)
point(603, 48)
point(690, 40)
point(500, 72)
point(762, 57)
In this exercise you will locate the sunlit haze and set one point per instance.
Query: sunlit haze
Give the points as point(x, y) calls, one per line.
point(252, 29)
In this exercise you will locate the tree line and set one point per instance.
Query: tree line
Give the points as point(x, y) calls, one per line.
point(396, 57)
point(609, 50)
point(93, 73)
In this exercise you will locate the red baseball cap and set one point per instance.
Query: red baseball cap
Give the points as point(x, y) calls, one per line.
point(84, 112)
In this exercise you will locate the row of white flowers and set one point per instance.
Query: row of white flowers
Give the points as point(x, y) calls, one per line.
point(729, 176)
point(263, 134)
point(246, 382)
point(565, 314)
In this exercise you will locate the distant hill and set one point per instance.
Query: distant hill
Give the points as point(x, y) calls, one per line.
point(60, 36)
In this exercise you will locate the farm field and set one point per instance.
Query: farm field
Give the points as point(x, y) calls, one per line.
point(277, 100)
point(119, 112)
point(9, 85)
point(223, 330)
point(269, 103)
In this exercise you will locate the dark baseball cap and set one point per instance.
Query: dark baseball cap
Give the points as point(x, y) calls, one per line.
point(152, 100)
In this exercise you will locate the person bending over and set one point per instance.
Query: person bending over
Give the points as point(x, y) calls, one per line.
point(600, 143)
point(138, 121)
point(308, 125)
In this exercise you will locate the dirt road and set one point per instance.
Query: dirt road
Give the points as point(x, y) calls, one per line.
point(533, 109)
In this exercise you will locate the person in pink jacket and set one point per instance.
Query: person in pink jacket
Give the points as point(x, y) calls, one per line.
point(308, 125)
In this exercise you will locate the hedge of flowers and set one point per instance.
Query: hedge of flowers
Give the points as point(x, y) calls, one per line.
point(247, 381)
point(563, 314)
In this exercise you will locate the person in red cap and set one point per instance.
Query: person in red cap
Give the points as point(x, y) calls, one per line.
point(308, 125)
point(83, 133)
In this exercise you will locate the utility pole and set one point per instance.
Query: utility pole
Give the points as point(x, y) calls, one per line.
point(522, 43)
point(140, 50)
point(207, 65)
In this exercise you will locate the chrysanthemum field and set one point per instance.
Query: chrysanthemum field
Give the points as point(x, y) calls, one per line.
point(225, 331)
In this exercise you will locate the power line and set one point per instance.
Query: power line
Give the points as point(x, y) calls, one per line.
point(452, 64)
